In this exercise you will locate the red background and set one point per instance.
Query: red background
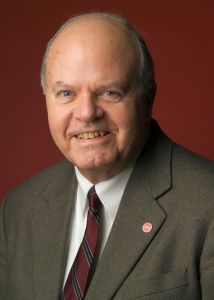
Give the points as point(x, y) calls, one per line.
point(180, 37)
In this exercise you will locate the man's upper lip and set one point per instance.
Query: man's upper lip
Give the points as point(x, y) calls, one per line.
point(89, 131)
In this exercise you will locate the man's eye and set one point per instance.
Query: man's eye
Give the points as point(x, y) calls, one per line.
point(65, 96)
point(112, 93)
point(66, 93)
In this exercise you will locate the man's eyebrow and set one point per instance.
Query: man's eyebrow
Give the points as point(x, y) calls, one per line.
point(57, 83)
point(62, 85)
point(110, 84)
point(114, 84)
point(102, 86)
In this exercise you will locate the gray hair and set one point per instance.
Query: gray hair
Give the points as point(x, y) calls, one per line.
point(146, 67)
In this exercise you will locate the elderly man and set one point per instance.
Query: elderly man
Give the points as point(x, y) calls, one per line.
point(128, 214)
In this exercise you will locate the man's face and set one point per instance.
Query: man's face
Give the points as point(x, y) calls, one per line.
point(97, 115)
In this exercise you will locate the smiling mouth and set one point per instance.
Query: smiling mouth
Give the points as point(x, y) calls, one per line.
point(91, 135)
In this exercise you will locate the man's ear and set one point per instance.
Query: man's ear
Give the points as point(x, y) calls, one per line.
point(148, 104)
point(150, 97)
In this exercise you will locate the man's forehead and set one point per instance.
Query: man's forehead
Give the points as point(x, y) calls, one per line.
point(92, 46)
point(93, 29)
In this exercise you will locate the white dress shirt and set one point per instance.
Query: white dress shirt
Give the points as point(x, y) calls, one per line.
point(110, 193)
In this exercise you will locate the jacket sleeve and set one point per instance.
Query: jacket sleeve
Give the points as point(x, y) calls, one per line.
point(207, 266)
point(3, 254)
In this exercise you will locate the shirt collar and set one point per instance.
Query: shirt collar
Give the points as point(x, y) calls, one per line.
point(109, 191)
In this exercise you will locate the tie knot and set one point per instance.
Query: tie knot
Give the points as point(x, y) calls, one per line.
point(93, 200)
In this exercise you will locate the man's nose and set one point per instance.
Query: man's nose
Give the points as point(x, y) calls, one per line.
point(87, 108)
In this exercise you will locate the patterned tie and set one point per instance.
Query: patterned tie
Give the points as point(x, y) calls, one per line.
point(76, 283)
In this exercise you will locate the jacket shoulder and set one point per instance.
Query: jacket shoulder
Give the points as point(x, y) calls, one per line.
point(193, 181)
point(191, 164)
point(27, 196)
point(40, 180)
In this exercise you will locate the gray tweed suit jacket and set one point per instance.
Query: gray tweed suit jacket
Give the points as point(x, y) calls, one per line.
point(170, 187)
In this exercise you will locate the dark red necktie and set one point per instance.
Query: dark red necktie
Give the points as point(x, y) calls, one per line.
point(76, 283)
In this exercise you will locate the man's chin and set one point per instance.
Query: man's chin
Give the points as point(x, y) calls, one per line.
point(91, 161)
point(96, 172)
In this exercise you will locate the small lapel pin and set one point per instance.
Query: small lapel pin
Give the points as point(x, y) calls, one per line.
point(147, 227)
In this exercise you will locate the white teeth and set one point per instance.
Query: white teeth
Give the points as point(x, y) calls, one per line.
point(90, 135)
point(86, 135)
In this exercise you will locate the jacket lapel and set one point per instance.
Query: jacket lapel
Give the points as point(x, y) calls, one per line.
point(50, 231)
point(127, 241)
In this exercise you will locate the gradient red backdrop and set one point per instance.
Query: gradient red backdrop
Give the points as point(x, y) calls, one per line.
point(180, 37)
